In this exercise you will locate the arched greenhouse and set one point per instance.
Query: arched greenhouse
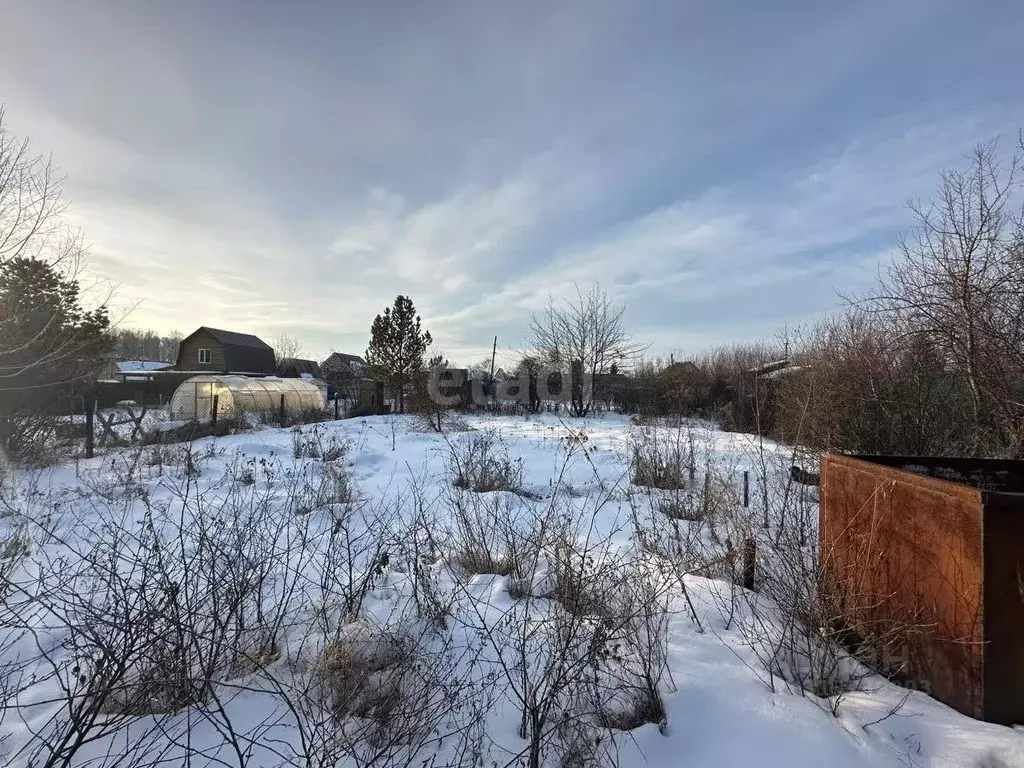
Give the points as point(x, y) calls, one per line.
point(237, 395)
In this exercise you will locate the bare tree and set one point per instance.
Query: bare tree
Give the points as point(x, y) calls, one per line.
point(145, 344)
point(287, 347)
point(863, 387)
point(49, 344)
point(958, 280)
point(587, 330)
point(31, 206)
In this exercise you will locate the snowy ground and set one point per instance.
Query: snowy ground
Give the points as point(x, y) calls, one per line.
point(364, 518)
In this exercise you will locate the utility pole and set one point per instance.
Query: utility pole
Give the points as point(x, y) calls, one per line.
point(494, 352)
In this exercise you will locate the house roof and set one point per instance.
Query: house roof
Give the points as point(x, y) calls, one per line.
point(778, 373)
point(236, 339)
point(297, 367)
point(342, 357)
point(771, 367)
point(130, 366)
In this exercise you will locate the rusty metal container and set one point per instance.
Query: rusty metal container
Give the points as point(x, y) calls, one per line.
point(927, 556)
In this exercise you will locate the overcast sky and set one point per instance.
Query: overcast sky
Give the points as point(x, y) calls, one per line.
point(722, 166)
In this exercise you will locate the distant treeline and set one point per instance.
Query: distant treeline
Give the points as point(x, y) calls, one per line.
point(132, 344)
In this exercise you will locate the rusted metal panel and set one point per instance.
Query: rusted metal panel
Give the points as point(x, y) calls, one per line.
point(903, 553)
point(929, 554)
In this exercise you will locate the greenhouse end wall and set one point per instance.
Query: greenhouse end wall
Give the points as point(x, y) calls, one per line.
point(238, 395)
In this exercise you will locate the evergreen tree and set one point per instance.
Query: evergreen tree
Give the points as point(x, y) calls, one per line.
point(397, 345)
point(438, 362)
point(50, 347)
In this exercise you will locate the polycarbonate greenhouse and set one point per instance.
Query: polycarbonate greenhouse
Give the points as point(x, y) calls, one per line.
point(236, 395)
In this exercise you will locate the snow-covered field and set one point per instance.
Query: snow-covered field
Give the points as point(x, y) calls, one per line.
point(322, 597)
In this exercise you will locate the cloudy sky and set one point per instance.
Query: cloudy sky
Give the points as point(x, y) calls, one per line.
point(722, 167)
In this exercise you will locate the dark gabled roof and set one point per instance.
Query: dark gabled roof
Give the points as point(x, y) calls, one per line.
point(243, 352)
point(342, 357)
point(343, 364)
point(296, 366)
point(236, 339)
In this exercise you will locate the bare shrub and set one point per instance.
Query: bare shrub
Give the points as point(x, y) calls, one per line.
point(272, 417)
point(161, 455)
point(796, 623)
point(433, 605)
point(957, 285)
point(806, 652)
point(547, 644)
point(442, 421)
point(321, 486)
point(866, 386)
point(158, 616)
point(481, 463)
point(491, 533)
point(585, 582)
point(632, 663)
point(383, 695)
point(364, 671)
point(354, 557)
point(32, 436)
point(316, 443)
point(695, 530)
point(662, 457)
point(192, 430)
point(246, 472)
point(14, 549)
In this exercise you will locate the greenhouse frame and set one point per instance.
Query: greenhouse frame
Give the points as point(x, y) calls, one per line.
point(238, 395)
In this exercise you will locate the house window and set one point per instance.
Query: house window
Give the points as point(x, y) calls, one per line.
point(205, 356)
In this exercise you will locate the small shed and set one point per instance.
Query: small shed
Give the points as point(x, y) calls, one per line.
point(238, 395)
point(928, 553)
point(297, 368)
point(213, 350)
point(140, 370)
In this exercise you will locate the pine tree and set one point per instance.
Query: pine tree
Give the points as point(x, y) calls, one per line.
point(46, 337)
point(397, 345)
point(50, 347)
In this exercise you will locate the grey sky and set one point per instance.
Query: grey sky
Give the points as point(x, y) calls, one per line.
point(721, 167)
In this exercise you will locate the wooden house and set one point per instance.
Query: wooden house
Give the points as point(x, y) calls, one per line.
point(340, 365)
point(212, 350)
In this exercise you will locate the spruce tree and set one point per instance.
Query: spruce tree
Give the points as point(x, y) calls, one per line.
point(397, 345)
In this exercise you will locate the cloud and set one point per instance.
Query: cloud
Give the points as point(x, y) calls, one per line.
point(722, 169)
point(770, 251)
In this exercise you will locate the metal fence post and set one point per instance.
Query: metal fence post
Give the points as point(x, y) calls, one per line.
point(213, 410)
point(282, 409)
point(746, 488)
